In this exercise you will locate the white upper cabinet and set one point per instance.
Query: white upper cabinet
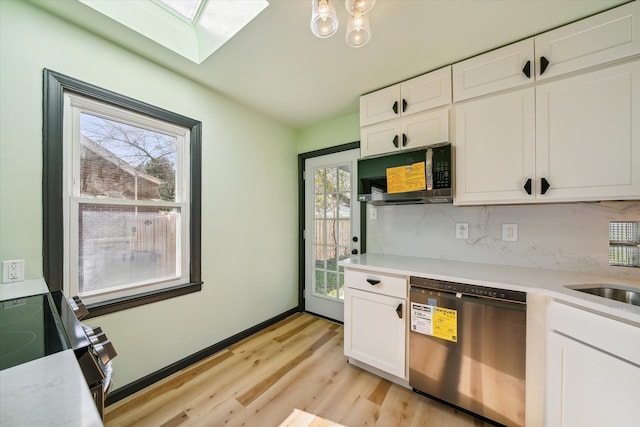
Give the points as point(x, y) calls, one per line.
point(575, 137)
point(414, 131)
point(495, 148)
point(588, 135)
point(425, 92)
point(380, 105)
point(421, 93)
point(596, 40)
point(505, 68)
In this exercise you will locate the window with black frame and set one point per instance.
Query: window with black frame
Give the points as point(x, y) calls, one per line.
point(121, 189)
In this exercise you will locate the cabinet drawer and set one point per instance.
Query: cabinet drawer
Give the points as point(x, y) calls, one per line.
point(395, 286)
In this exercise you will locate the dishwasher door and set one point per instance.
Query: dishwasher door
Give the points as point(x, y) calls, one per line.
point(477, 360)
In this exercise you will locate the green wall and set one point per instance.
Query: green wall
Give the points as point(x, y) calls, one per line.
point(342, 130)
point(249, 200)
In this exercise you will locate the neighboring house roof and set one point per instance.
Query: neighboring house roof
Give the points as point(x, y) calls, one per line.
point(117, 161)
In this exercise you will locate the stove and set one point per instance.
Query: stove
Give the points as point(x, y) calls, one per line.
point(29, 329)
point(40, 325)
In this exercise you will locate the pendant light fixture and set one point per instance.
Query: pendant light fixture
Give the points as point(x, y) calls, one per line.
point(324, 20)
point(358, 33)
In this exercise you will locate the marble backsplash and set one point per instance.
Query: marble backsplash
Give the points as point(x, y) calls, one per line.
point(570, 237)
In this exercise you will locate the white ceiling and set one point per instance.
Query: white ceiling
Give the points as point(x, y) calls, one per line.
point(275, 66)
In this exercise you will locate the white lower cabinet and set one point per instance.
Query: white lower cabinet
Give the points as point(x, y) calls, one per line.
point(375, 323)
point(593, 370)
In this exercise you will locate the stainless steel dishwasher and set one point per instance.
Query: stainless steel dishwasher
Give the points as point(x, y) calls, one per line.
point(467, 348)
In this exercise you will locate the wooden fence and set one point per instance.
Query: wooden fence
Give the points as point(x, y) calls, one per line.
point(155, 234)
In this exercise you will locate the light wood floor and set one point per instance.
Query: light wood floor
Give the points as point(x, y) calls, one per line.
point(295, 364)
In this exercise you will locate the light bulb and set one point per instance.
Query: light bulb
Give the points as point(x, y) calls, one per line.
point(324, 20)
point(323, 7)
point(359, 7)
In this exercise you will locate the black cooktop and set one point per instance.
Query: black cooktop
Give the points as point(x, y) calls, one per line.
point(30, 328)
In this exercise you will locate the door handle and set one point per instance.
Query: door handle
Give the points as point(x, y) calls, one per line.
point(544, 185)
point(395, 141)
point(404, 139)
point(395, 107)
point(527, 186)
point(404, 105)
point(399, 310)
point(373, 282)
point(544, 63)
point(527, 69)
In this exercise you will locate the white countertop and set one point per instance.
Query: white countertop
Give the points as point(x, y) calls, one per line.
point(549, 282)
point(50, 391)
point(22, 289)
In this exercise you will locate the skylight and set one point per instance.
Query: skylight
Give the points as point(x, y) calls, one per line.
point(186, 8)
point(192, 28)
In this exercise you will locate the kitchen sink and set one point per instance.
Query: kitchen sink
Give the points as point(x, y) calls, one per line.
point(612, 292)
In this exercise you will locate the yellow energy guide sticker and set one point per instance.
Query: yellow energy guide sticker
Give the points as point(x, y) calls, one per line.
point(445, 324)
point(406, 178)
point(435, 321)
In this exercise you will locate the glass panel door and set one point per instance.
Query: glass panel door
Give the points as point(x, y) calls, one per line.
point(332, 227)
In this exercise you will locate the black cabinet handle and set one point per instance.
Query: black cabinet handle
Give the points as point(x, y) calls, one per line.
point(395, 107)
point(544, 63)
point(373, 282)
point(354, 251)
point(395, 141)
point(544, 185)
point(527, 186)
point(527, 69)
point(404, 139)
point(404, 105)
point(399, 310)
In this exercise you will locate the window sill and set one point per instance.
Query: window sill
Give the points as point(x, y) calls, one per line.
point(115, 305)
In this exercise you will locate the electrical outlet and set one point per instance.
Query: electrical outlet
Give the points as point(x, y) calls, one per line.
point(13, 271)
point(510, 232)
point(462, 230)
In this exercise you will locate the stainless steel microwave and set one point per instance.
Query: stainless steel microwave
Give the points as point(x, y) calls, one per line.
point(373, 183)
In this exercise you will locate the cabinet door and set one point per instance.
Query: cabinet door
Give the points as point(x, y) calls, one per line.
point(380, 138)
point(588, 135)
point(588, 387)
point(493, 71)
point(602, 38)
point(425, 92)
point(592, 374)
point(419, 130)
point(495, 148)
point(375, 330)
point(378, 106)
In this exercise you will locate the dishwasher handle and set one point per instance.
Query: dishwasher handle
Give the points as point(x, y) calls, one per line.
point(399, 310)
